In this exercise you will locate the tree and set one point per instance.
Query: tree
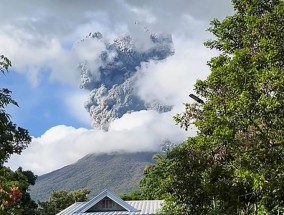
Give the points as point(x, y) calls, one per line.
point(14, 198)
point(13, 139)
point(59, 200)
point(133, 195)
point(235, 163)
point(156, 178)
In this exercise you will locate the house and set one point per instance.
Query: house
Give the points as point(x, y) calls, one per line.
point(107, 203)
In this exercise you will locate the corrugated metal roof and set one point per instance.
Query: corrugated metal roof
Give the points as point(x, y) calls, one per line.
point(72, 208)
point(143, 207)
point(147, 206)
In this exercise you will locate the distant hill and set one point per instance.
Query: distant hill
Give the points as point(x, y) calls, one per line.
point(118, 172)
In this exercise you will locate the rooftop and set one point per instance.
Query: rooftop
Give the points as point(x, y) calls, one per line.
point(116, 206)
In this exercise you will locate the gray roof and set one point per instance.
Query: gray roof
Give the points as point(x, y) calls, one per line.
point(143, 207)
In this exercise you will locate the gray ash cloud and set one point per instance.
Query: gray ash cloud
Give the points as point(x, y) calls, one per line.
point(111, 75)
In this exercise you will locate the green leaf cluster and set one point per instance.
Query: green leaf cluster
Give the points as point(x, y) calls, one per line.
point(14, 185)
point(21, 180)
point(60, 200)
point(5, 63)
point(235, 163)
point(13, 139)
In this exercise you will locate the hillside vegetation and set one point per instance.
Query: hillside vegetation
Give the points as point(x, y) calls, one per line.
point(119, 173)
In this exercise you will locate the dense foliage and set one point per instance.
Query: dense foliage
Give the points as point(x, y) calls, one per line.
point(235, 163)
point(118, 172)
point(60, 200)
point(14, 196)
point(153, 185)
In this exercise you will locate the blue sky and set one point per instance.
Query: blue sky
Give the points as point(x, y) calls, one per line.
point(38, 36)
point(40, 108)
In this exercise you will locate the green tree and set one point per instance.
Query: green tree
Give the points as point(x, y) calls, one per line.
point(235, 163)
point(155, 181)
point(13, 139)
point(134, 195)
point(59, 200)
point(156, 178)
point(14, 198)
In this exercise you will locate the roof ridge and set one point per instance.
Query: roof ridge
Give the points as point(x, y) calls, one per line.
point(100, 196)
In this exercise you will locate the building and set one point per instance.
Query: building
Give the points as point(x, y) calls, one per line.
point(107, 203)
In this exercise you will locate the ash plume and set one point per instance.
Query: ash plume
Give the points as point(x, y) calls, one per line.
point(109, 71)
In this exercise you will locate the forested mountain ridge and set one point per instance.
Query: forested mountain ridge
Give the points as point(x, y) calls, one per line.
point(119, 172)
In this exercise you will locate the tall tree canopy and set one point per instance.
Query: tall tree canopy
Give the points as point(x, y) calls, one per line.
point(235, 163)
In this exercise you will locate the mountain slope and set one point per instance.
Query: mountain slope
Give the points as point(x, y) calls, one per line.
point(119, 173)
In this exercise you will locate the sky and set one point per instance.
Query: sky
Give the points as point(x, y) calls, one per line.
point(39, 36)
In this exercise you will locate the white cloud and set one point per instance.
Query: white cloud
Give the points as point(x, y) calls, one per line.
point(37, 34)
point(172, 80)
point(144, 15)
point(30, 53)
point(62, 145)
point(74, 104)
point(34, 33)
